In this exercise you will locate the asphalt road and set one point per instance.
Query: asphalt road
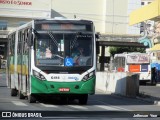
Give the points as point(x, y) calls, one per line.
point(101, 105)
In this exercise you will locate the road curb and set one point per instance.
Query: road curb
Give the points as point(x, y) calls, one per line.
point(158, 85)
point(147, 98)
point(155, 102)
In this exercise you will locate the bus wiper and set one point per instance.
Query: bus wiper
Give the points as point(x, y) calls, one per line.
point(52, 37)
point(54, 55)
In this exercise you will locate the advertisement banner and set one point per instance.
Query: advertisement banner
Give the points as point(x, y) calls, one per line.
point(144, 68)
point(137, 59)
point(134, 68)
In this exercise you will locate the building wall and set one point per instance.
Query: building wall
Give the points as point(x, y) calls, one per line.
point(25, 8)
point(109, 16)
point(150, 26)
point(82, 9)
point(17, 12)
point(12, 23)
point(116, 16)
point(132, 5)
point(146, 2)
point(14, 13)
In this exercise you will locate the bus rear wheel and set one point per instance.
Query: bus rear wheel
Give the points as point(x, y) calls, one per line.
point(13, 92)
point(31, 98)
point(83, 99)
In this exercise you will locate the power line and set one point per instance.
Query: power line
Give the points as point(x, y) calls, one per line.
point(92, 14)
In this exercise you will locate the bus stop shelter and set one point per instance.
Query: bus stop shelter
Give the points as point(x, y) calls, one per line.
point(115, 40)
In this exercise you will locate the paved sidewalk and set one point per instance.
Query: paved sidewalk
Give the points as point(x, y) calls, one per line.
point(3, 82)
point(150, 94)
point(147, 93)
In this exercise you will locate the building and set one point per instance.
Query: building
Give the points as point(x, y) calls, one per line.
point(109, 16)
point(14, 13)
point(149, 24)
point(146, 2)
point(153, 14)
point(147, 20)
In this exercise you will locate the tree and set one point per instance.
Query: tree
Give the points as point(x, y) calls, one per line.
point(116, 50)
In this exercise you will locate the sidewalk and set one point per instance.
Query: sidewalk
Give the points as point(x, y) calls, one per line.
point(147, 93)
point(3, 82)
point(150, 94)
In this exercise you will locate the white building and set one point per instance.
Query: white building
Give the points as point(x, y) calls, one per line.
point(14, 13)
point(109, 16)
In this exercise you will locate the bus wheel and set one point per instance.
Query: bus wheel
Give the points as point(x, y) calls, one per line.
point(21, 96)
point(13, 92)
point(83, 99)
point(31, 99)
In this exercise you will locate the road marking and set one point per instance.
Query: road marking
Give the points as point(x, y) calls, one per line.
point(78, 107)
point(107, 107)
point(95, 107)
point(48, 105)
point(72, 106)
point(19, 103)
point(113, 106)
point(86, 107)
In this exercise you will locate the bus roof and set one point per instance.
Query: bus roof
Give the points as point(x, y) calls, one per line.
point(56, 20)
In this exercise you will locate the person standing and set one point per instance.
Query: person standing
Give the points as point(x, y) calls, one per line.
point(153, 75)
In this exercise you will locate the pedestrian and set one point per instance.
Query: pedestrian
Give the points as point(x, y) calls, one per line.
point(153, 75)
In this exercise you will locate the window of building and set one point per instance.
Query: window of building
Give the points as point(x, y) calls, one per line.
point(3, 25)
point(142, 3)
point(21, 23)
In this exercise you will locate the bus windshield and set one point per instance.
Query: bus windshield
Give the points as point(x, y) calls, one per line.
point(63, 49)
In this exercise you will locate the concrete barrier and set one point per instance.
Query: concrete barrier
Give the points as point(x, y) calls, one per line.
point(122, 83)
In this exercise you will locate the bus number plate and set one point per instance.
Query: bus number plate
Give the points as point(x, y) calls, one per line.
point(64, 89)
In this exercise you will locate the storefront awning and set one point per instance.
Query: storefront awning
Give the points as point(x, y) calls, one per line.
point(148, 12)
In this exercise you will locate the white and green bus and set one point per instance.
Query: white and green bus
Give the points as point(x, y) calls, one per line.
point(52, 57)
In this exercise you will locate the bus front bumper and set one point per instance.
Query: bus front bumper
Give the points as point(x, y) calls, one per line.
point(51, 87)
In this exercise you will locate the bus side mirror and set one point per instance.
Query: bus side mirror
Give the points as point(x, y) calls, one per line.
point(97, 47)
point(97, 35)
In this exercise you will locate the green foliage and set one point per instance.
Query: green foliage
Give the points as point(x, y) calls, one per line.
point(116, 50)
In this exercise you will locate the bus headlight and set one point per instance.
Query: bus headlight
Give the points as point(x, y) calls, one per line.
point(38, 75)
point(88, 76)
